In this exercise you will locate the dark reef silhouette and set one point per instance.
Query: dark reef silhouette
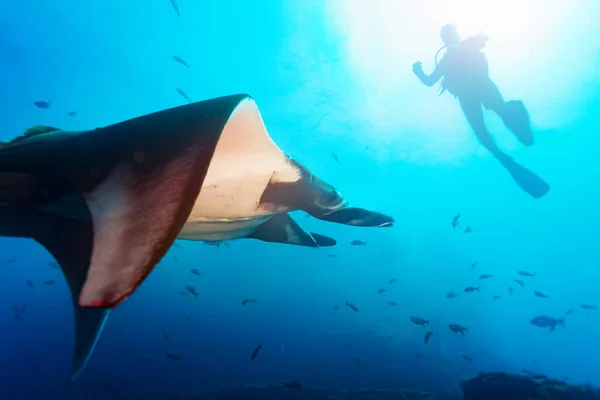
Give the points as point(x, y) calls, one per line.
point(485, 386)
point(504, 386)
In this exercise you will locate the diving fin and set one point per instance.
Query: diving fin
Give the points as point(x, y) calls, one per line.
point(517, 120)
point(527, 180)
point(70, 242)
point(281, 228)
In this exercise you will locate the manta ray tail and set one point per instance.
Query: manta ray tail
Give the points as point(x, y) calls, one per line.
point(70, 242)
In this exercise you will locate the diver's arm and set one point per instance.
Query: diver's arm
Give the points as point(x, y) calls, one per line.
point(436, 75)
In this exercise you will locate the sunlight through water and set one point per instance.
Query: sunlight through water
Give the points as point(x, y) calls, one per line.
point(384, 38)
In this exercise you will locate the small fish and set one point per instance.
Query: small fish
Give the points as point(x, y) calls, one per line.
point(393, 303)
point(349, 345)
point(419, 321)
point(540, 294)
point(194, 271)
point(49, 282)
point(366, 148)
point(468, 229)
point(391, 281)
point(525, 273)
point(428, 336)
point(496, 298)
point(466, 358)
point(457, 328)
point(589, 307)
point(18, 317)
point(520, 282)
point(356, 360)
point(540, 377)
point(11, 260)
point(175, 7)
point(485, 276)
point(510, 290)
point(381, 291)
point(53, 265)
point(544, 321)
point(186, 319)
point(173, 356)
point(474, 264)
point(469, 289)
point(249, 300)
point(19, 309)
point(569, 311)
point(72, 113)
point(358, 243)
point(335, 157)
point(42, 104)
point(351, 306)
point(217, 244)
point(455, 221)
point(336, 307)
point(291, 385)
point(181, 61)
point(183, 94)
point(29, 283)
point(451, 295)
point(419, 355)
point(332, 256)
point(177, 245)
point(165, 334)
point(191, 290)
point(255, 352)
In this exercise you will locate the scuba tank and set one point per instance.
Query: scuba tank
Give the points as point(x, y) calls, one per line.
point(474, 43)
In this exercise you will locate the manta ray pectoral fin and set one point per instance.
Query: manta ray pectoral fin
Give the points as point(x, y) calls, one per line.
point(139, 179)
point(70, 242)
point(137, 216)
point(281, 228)
point(358, 217)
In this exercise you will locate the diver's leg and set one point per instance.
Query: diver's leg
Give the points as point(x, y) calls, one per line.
point(513, 113)
point(471, 108)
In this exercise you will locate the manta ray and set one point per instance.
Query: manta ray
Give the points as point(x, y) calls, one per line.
point(108, 203)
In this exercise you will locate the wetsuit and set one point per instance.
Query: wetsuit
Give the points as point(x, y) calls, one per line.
point(465, 74)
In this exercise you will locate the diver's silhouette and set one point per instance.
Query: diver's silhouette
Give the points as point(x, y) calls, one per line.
point(464, 73)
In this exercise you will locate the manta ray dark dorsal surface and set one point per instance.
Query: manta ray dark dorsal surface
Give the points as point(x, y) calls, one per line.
point(139, 178)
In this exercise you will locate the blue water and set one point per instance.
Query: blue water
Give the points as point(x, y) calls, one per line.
point(328, 76)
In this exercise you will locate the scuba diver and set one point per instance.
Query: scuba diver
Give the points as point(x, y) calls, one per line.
point(464, 74)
